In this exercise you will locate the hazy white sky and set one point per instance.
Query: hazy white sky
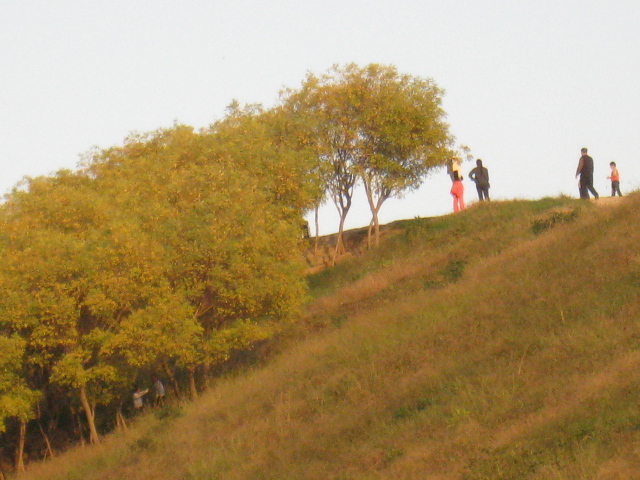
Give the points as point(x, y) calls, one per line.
point(528, 82)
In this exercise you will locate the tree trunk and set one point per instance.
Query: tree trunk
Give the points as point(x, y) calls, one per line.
point(192, 383)
point(49, 451)
point(78, 425)
point(374, 212)
point(93, 433)
point(20, 448)
point(121, 423)
point(315, 246)
point(342, 201)
point(376, 224)
point(172, 379)
point(340, 248)
point(206, 368)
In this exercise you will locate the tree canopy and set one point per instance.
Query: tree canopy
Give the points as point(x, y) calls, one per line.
point(163, 255)
point(166, 254)
point(374, 125)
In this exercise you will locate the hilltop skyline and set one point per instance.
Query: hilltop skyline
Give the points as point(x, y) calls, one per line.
point(527, 84)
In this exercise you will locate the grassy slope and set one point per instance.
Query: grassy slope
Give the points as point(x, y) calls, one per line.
point(466, 347)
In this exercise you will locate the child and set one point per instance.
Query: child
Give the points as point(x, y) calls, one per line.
point(457, 190)
point(615, 180)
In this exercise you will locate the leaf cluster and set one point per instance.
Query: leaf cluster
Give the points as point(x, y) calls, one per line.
point(164, 254)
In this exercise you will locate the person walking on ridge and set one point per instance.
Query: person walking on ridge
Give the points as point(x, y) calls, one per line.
point(457, 190)
point(615, 180)
point(480, 175)
point(585, 171)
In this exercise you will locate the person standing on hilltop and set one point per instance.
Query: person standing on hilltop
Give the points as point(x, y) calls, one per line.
point(453, 165)
point(457, 190)
point(615, 180)
point(480, 175)
point(585, 171)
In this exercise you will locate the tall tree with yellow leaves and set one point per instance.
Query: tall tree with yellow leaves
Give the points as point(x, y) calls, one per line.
point(374, 125)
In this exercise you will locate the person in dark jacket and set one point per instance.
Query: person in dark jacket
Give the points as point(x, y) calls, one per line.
point(480, 175)
point(585, 171)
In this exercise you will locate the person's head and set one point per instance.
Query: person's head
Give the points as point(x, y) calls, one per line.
point(479, 162)
point(612, 164)
point(583, 151)
point(456, 176)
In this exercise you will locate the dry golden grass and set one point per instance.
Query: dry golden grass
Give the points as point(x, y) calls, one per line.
point(468, 349)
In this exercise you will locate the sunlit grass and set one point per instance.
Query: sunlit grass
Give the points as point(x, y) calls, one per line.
point(500, 343)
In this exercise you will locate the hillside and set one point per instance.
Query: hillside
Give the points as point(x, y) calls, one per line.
point(499, 343)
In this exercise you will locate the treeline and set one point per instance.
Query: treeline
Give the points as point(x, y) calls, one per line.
point(170, 252)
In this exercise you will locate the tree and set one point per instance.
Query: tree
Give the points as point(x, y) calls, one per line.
point(402, 130)
point(74, 269)
point(375, 125)
point(43, 266)
point(164, 331)
point(170, 251)
point(224, 207)
point(322, 108)
point(289, 132)
point(17, 400)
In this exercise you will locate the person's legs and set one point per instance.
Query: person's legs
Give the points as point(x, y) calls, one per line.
point(480, 193)
point(584, 192)
point(456, 207)
point(615, 187)
point(592, 190)
point(485, 190)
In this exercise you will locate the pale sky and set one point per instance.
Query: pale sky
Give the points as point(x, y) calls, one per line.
point(528, 82)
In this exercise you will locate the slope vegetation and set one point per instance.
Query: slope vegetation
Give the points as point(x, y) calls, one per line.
point(499, 343)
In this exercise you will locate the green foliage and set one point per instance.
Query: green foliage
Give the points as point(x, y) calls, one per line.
point(145, 443)
point(169, 412)
point(16, 398)
point(553, 218)
point(164, 254)
point(374, 125)
point(454, 269)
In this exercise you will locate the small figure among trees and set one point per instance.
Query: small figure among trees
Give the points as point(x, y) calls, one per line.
point(159, 392)
point(138, 398)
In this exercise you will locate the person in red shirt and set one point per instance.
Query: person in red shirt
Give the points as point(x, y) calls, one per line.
point(615, 180)
point(457, 190)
